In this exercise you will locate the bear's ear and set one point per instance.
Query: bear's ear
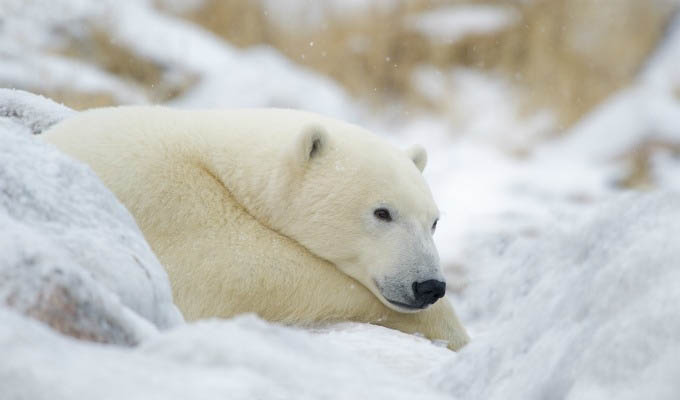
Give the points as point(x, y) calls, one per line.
point(418, 155)
point(310, 143)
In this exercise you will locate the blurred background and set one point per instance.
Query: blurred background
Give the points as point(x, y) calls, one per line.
point(530, 109)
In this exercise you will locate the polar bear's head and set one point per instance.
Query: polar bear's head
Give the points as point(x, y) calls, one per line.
point(362, 204)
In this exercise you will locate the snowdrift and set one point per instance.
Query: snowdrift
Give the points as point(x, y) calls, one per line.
point(590, 310)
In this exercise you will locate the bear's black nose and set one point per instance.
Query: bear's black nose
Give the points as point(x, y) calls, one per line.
point(428, 292)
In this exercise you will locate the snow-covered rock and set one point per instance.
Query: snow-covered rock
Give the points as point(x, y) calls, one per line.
point(73, 256)
point(30, 110)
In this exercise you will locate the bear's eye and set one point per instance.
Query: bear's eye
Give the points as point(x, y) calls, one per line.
point(434, 225)
point(382, 214)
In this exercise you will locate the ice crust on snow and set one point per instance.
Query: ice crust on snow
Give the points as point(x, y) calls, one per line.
point(67, 239)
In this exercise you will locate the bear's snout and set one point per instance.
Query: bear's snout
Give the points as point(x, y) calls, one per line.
point(428, 292)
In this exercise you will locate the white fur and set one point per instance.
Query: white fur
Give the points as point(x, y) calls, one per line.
point(253, 210)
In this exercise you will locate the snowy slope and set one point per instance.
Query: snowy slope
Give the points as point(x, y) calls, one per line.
point(68, 243)
point(243, 358)
point(32, 31)
point(589, 310)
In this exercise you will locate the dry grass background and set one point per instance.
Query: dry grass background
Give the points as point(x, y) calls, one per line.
point(94, 45)
point(568, 54)
point(565, 55)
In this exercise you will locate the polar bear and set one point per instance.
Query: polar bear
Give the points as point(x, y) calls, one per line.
point(297, 217)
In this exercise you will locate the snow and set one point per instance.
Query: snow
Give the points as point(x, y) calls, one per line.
point(483, 190)
point(66, 235)
point(26, 70)
point(29, 110)
point(465, 97)
point(666, 169)
point(312, 14)
point(39, 280)
point(450, 24)
point(242, 358)
point(29, 34)
point(567, 286)
point(180, 6)
point(580, 312)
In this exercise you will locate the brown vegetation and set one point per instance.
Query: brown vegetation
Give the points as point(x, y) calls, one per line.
point(94, 45)
point(568, 54)
point(78, 100)
point(640, 161)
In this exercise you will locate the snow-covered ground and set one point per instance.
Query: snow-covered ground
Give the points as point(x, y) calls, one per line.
point(568, 286)
point(587, 310)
